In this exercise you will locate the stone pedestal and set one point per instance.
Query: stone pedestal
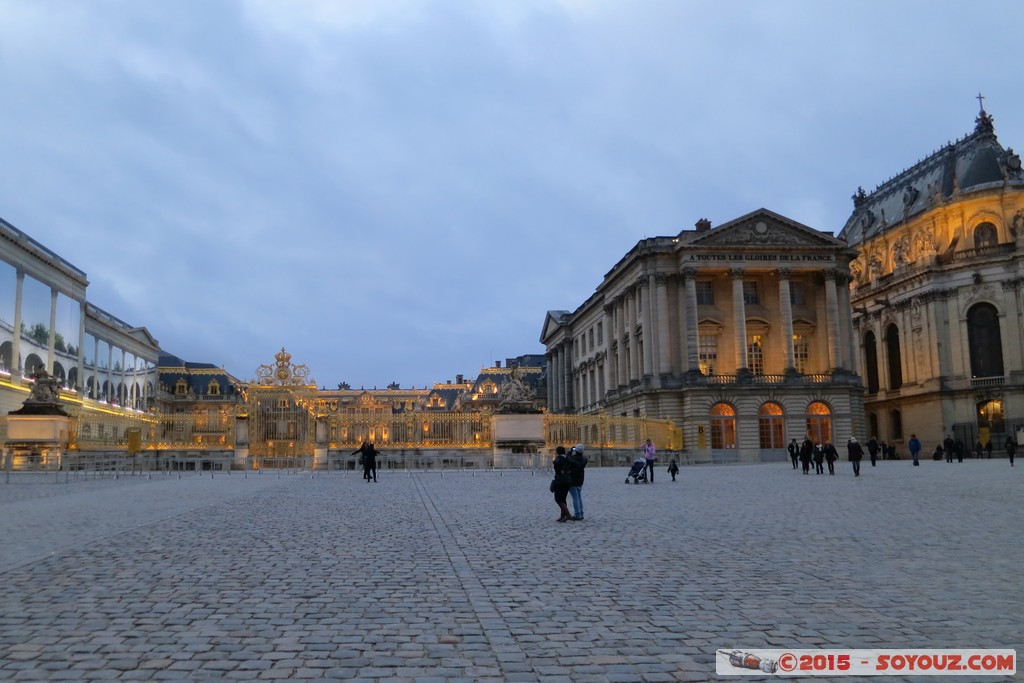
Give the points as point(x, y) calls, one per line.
point(519, 440)
point(35, 442)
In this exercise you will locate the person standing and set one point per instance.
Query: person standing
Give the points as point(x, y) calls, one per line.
point(561, 483)
point(872, 449)
point(855, 453)
point(978, 449)
point(649, 457)
point(988, 449)
point(806, 451)
point(831, 455)
point(794, 452)
point(578, 463)
point(914, 446)
point(948, 446)
point(368, 459)
point(960, 449)
point(819, 459)
point(1011, 448)
point(673, 469)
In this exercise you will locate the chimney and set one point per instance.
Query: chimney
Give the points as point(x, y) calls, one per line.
point(458, 379)
point(497, 363)
point(703, 225)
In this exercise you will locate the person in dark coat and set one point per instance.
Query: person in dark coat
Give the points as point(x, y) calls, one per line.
point(988, 449)
point(561, 483)
point(806, 450)
point(873, 449)
point(948, 446)
point(960, 450)
point(856, 453)
point(368, 459)
point(673, 469)
point(1011, 448)
point(819, 459)
point(794, 452)
point(578, 462)
point(831, 455)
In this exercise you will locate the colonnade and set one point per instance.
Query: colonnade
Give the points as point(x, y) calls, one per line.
point(643, 342)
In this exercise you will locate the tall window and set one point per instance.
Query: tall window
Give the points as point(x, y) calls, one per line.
point(892, 352)
point(985, 341)
point(705, 293)
point(755, 354)
point(771, 426)
point(871, 362)
point(801, 352)
point(750, 295)
point(896, 424)
point(872, 425)
point(707, 353)
point(819, 422)
point(797, 293)
point(985, 236)
point(600, 334)
point(723, 426)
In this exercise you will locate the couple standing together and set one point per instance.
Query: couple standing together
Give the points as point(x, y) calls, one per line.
point(569, 474)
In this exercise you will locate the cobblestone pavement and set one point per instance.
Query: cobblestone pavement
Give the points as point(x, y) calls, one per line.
point(462, 577)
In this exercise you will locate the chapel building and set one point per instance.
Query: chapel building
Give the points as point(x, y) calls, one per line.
point(938, 295)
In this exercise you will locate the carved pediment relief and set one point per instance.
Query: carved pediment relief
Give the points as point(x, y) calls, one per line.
point(764, 228)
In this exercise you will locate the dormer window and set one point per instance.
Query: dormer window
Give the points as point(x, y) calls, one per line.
point(213, 389)
point(181, 388)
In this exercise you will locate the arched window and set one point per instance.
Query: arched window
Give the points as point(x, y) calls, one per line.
point(984, 340)
point(819, 422)
point(31, 363)
point(723, 426)
point(771, 426)
point(871, 362)
point(985, 235)
point(991, 417)
point(7, 356)
point(892, 352)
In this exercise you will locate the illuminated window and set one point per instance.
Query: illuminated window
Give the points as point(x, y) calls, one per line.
point(819, 422)
point(801, 352)
point(707, 353)
point(755, 354)
point(181, 388)
point(214, 388)
point(723, 426)
point(991, 417)
point(771, 426)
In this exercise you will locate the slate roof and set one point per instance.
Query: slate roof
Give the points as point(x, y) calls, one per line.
point(975, 162)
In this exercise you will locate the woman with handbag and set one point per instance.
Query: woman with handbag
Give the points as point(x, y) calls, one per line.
point(561, 483)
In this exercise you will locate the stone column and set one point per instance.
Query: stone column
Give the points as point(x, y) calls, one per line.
point(620, 331)
point(664, 362)
point(568, 393)
point(51, 342)
point(650, 331)
point(552, 370)
point(832, 313)
point(606, 339)
point(16, 368)
point(691, 346)
point(739, 317)
point(634, 343)
point(786, 311)
point(80, 381)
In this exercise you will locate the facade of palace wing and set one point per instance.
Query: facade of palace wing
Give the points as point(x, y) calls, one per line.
point(741, 334)
point(938, 295)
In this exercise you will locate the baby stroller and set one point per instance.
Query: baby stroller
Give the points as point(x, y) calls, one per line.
point(638, 471)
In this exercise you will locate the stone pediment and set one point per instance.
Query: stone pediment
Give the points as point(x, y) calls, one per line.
point(553, 322)
point(763, 228)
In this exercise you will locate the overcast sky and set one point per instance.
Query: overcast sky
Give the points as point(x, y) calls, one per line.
point(399, 191)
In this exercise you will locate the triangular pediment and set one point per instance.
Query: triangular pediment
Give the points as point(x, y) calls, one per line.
point(764, 228)
point(553, 321)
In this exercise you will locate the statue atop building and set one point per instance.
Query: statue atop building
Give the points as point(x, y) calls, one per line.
point(44, 396)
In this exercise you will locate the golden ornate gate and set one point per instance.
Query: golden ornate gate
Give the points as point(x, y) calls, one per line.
point(281, 404)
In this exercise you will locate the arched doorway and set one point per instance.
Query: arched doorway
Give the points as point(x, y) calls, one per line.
point(771, 429)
